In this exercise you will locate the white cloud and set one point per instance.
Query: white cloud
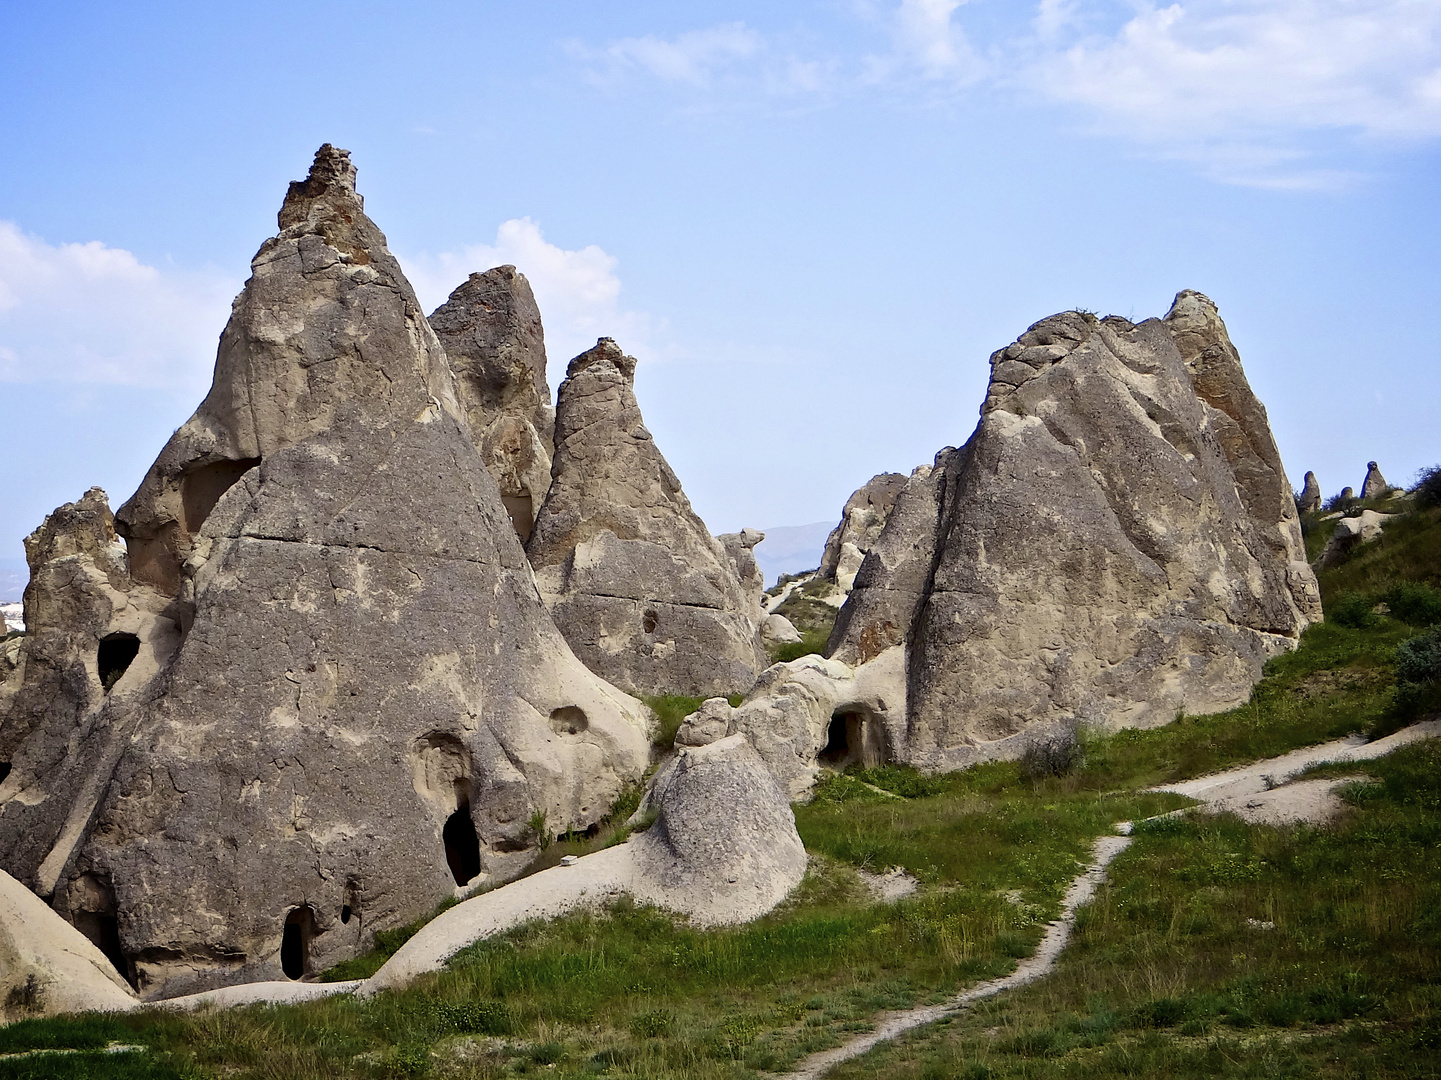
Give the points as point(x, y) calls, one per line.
point(1244, 81)
point(578, 291)
point(88, 313)
point(694, 57)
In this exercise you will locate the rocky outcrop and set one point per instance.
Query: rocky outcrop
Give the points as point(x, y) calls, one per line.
point(778, 630)
point(647, 598)
point(1375, 486)
point(492, 334)
point(862, 519)
point(348, 698)
point(740, 550)
point(47, 967)
point(1351, 532)
point(1309, 500)
point(1116, 542)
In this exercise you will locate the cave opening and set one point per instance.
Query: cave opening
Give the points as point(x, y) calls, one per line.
point(295, 942)
point(4, 770)
point(649, 621)
point(462, 845)
point(114, 656)
point(521, 509)
point(202, 487)
point(103, 930)
point(837, 751)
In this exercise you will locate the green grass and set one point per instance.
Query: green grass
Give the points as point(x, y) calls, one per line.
point(671, 711)
point(812, 642)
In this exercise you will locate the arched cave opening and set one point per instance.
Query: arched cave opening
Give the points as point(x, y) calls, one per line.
point(462, 845)
point(350, 909)
point(295, 942)
point(202, 487)
point(114, 657)
point(103, 930)
point(568, 720)
point(837, 751)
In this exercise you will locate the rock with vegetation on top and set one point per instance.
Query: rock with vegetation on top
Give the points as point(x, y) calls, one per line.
point(348, 698)
point(491, 330)
point(1351, 532)
point(1116, 542)
point(1375, 486)
point(1309, 500)
point(647, 598)
point(862, 519)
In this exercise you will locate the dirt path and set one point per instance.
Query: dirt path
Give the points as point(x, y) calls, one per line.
point(1039, 963)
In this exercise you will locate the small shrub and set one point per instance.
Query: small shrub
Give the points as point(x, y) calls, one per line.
point(538, 826)
point(473, 1017)
point(1418, 659)
point(655, 1024)
point(1341, 504)
point(1414, 602)
point(1427, 488)
point(1160, 1013)
point(1356, 610)
point(1052, 755)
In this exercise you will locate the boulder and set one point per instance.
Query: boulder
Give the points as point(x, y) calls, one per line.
point(346, 698)
point(1375, 486)
point(647, 598)
point(777, 630)
point(724, 847)
point(48, 967)
point(491, 331)
point(862, 519)
point(1310, 498)
point(1116, 542)
point(1350, 533)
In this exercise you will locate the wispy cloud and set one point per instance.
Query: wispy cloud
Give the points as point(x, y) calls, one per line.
point(578, 291)
point(88, 313)
point(926, 39)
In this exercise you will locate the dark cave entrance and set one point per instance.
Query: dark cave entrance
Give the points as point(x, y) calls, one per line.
point(4, 770)
point(202, 487)
point(837, 751)
point(462, 845)
point(114, 657)
point(103, 930)
point(521, 509)
point(295, 942)
point(856, 737)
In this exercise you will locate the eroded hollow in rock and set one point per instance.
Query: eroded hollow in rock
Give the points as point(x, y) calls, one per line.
point(853, 738)
point(350, 909)
point(114, 657)
point(103, 930)
point(568, 720)
point(4, 770)
point(295, 942)
point(521, 509)
point(649, 621)
point(462, 845)
point(202, 487)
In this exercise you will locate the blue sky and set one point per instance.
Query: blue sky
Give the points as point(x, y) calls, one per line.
point(811, 221)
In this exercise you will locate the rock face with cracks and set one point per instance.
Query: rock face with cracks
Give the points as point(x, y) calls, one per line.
point(345, 696)
point(491, 330)
point(647, 598)
point(1116, 542)
point(862, 519)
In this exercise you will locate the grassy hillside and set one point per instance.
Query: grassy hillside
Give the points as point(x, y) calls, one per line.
point(1216, 949)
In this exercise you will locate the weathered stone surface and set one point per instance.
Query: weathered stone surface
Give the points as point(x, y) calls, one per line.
point(707, 724)
point(724, 847)
point(1375, 485)
point(491, 330)
point(1350, 532)
point(364, 699)
point(778, 630)
point(740, 549)
point(1310, 500)
point(1347, 493)
point(862, 520)
point(47, 967)
point(645, 595)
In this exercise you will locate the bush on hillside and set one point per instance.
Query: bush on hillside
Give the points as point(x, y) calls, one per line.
point(1418, 674)
point(1427, 488)
point(1339, 504)
point(1052, 755)
point(1414, 602)
point(1354, 610)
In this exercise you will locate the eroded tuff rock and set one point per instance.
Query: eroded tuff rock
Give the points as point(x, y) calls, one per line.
point(354, 698)
point(1310, 500)
point(647, 598)
point(1115, 542)
point(862, 519)
point(740, 550)
point(491, 330)
point(1350, 532)
point(1375, 485)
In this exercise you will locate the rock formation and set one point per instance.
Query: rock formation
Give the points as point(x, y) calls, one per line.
point(1375, 486)
point(778, 630)
point(1351, 532)
point(862, 520)
point(1116, 542)
point(1310, 500)
point(647, 598)
point(1347, 493)
point(740, 550)
point(322, 690)
point(492, 335)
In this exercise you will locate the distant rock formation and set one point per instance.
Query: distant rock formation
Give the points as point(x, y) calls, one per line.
point(1375, 486)
point(862, 519)
point(492, 334)
point(1351, 532)
point(321, 691)
point(647, 598)
point(1347, 493)
point(1116, 542)
point(1310, 500)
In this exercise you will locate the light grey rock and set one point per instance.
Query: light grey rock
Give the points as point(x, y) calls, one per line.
point(707, 724)
point(862, 519)
point(1375, 486)
point(647, 598)
point(1351, 532)
point(1310, 500)
point(349, 696)
point(777, 630)
point(740, 549)
point(47, 967)
point(724, 847)
point(491, 330)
